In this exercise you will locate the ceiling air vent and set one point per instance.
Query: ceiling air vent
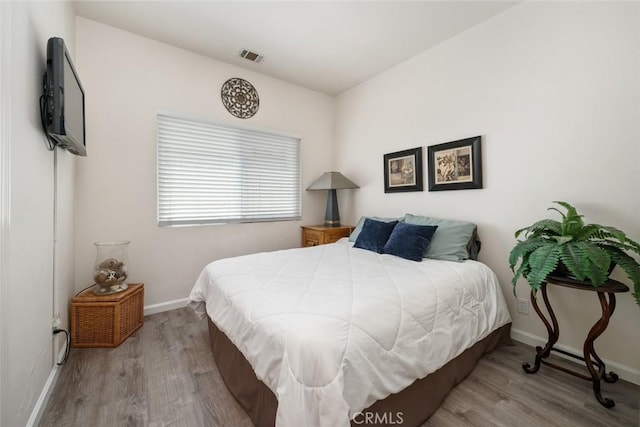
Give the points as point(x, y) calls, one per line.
point(251, 56)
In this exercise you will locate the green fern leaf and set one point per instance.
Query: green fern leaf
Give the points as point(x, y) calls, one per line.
point(622, 238)
point(589, 232)
point(606, 244)
point(631, 267)
point(542, 261)
point(573, 257)
point(598, 256)
point(523, 248)
point(544, 227)
point(601, 233)
point(612, 232)
point(570, 209)
point(522, 271)
point(572, 226)
point(572, 222)
point(596, 275)
point(562, 239)
point(635, 246)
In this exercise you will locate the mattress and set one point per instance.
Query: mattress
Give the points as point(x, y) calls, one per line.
point(411, 407)
point(332, 329)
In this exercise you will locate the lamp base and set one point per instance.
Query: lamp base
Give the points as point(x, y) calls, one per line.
point(331, 214)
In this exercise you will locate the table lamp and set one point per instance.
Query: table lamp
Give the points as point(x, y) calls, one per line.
point(332, 181)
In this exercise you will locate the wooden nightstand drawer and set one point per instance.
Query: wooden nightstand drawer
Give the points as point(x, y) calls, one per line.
point(320, 235)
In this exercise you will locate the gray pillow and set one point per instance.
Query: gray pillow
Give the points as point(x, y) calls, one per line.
point(358, 228)
point(451, 240)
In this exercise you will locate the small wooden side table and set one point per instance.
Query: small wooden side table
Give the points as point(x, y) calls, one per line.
point(590, 357)
point(314, 235)
point(106, 320)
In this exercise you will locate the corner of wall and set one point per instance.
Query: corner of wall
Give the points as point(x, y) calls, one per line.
point(5, 197)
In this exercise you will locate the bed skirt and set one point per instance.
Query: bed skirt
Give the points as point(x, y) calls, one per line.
point(410, 407)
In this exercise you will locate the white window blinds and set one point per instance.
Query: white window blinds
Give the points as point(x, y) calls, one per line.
point(210, 173)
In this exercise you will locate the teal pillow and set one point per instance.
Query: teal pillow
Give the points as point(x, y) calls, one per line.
point(374, 235)
point(451, 239)
point(358, 228)
point(409, 241)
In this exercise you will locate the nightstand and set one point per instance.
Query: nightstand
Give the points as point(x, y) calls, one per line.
point(319, 234)
point(106, 320)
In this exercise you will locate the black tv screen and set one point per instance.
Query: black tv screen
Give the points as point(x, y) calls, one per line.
point(64, 100)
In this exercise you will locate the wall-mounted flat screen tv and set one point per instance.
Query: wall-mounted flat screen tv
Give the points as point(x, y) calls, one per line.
point(63, 108)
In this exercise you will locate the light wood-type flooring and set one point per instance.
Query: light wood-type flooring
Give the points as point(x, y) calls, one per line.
point(164, 375)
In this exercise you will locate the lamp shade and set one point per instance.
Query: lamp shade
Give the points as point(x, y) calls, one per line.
point(332, 181)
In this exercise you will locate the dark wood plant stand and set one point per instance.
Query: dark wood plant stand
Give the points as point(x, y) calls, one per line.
point(595, 365)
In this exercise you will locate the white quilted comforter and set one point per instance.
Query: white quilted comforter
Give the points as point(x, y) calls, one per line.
point(331, 329)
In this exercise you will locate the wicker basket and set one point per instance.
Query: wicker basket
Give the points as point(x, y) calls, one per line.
point(106, 321)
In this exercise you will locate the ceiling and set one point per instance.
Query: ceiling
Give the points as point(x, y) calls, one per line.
point(325, 46)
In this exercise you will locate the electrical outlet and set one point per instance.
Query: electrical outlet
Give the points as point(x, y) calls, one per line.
point(55, 322)
point(523, 306)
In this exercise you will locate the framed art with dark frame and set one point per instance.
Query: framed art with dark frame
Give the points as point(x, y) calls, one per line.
point(455, 165)
point(403, 171)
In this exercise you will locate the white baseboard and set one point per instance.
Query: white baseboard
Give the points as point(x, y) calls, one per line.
point(165, 306)
point(41, 403)
point(627, 373)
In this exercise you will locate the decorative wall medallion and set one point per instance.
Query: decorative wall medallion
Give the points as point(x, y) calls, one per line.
point(240, 98)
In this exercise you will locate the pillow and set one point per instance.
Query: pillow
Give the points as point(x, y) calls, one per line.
point(452, 241)
point(358, 228)
point(374, 235)
point(409, 241)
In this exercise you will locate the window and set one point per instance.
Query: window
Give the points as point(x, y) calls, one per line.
point(210, 173)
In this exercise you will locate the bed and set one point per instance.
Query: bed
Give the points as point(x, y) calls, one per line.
point(336, 335)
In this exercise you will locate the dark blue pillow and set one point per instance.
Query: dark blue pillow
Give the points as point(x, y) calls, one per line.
point(409, 240)
point(374, 235)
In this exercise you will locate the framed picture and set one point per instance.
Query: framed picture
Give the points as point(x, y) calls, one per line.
point(455, 165)
point(403, 171)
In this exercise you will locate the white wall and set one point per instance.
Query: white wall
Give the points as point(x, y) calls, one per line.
point(27, 347)
point(554, 90)
point(5, 170)
point(128, 79)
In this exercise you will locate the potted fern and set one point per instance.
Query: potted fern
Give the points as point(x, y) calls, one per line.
point(587, 252)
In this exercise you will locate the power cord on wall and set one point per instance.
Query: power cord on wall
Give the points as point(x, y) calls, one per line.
point(51, 144)
point(56, 331)
point(90, 286)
